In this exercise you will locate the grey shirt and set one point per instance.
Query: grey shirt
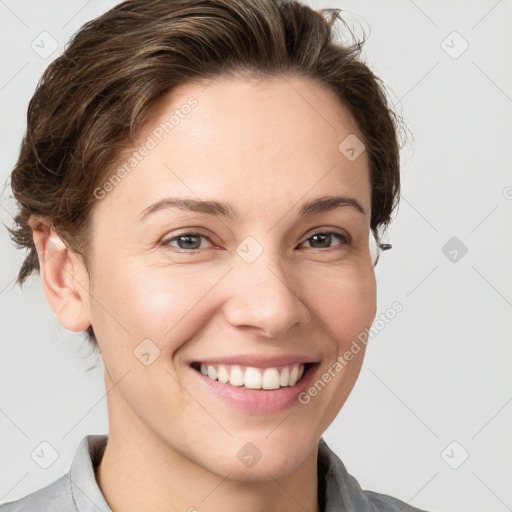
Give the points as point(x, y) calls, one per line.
point(78, 490)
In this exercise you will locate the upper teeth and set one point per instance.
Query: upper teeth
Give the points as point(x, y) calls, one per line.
point(254, 378)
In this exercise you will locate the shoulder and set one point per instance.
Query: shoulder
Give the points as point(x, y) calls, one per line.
point(55, 496)
point(385, 503)
point(76, 490)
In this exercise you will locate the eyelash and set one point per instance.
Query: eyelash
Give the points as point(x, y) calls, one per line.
point(166, 243)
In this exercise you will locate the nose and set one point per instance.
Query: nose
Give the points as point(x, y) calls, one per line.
point(264, 297)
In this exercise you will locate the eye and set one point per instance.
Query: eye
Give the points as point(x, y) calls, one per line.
point(323, 239)
point(191, 242)
point(187, 242)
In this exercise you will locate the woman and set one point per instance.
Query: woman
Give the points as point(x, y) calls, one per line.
point(201, 187)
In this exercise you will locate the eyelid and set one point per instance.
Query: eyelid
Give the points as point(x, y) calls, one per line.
point(328, 231)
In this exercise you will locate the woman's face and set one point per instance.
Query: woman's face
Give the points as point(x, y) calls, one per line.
point(267, 287)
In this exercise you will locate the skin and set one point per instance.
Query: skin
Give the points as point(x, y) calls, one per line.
point(265, 147)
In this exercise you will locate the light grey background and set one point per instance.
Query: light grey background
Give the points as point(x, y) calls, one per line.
point(439, 372)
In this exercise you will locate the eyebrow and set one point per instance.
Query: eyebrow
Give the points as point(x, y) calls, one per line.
point(218, 209)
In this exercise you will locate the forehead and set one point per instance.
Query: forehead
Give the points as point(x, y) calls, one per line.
point(255, 144)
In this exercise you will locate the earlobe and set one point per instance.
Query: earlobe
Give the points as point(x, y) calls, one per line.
point(64, 278)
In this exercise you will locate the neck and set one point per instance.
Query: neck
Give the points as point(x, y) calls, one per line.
point(140, 471)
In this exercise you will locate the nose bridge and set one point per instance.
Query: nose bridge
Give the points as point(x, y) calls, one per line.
point(262, 294)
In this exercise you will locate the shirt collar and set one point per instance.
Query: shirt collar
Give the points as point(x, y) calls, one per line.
point(86, 492)
point(339, 489)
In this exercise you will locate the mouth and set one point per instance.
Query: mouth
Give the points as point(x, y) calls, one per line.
point(255, 378)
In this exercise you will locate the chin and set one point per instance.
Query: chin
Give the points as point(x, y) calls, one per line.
point(262, 459)
point(273, 468)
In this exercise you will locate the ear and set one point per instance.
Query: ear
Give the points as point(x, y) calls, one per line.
point(64, 277)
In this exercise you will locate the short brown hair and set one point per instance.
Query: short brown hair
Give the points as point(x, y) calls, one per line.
point(92, 101)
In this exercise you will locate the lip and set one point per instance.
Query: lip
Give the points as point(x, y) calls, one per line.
point(257, 401)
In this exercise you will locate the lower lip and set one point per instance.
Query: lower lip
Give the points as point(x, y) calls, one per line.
point(262, 401)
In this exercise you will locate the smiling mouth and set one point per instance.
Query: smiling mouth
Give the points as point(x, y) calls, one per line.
point(251, 377)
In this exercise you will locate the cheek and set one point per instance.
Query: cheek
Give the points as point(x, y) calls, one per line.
point(345, 305)
point(345, 302)
point(162, 304)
